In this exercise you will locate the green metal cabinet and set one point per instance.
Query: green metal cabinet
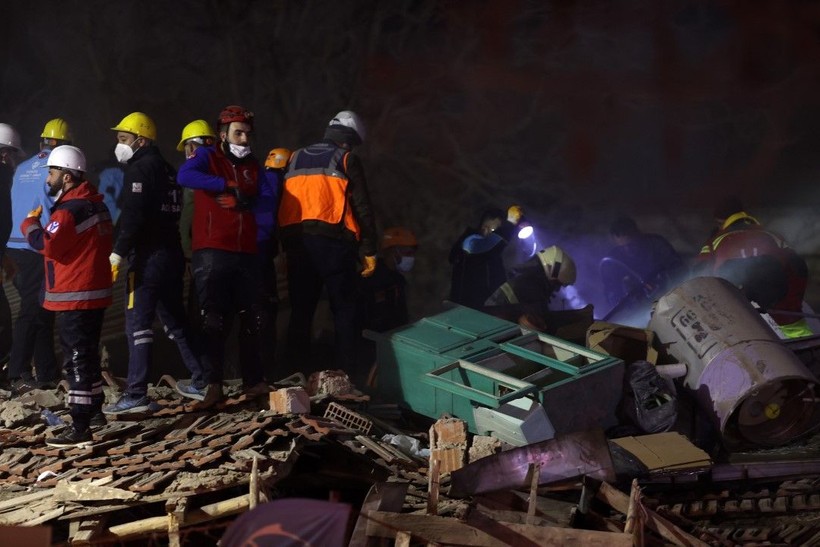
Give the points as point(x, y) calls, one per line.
point(463, 358)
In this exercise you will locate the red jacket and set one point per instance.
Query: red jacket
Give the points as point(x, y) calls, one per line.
point(214, 227)
point(76, 244)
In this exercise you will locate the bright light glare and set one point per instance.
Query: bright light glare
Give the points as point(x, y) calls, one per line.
point(525, 232)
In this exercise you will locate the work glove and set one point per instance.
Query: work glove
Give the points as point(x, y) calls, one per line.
point(35, 213)
point(115, 261)
point(232, 197)
point(369, 266)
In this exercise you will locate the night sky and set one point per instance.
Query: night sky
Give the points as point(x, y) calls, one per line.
point(579, 110)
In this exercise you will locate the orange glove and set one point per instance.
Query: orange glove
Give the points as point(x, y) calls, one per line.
point(231, 184)
point(369, 266)
point(35, 213)
point(227, 201)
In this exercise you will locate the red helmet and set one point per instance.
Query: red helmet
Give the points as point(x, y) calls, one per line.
point(235, 113)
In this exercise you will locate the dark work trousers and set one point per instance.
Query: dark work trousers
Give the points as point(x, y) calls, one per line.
point(154, 289)
point(269, 300)
point(34, 329)
point(314, 261)
point(80, 339)
point(5, 326)
point(227, 283)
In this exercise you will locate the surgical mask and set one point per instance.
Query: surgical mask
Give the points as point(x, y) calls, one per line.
point(405, 263)
point(123, 152)
point(239, 151)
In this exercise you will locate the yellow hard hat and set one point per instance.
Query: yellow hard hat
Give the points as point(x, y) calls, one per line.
point(278, 158)
point(398, 236)
point(558, 265)
point(515, 213)
point(197, 128)
point(57, 129)
point(139, 124)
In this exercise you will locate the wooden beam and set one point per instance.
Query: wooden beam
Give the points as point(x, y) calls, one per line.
point(433, 481)
point(383, 496)
point(205, 513)
point(485, 532)
point(84, 532)
point(666, 529)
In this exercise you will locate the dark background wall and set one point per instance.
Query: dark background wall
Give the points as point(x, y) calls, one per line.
point(579, 110)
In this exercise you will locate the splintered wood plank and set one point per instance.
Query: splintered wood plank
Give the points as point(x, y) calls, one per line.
point(83, 532)
point(486, 532)
point(383, 496)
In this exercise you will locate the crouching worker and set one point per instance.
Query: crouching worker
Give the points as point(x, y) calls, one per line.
point(525, 298)
point(75, 243)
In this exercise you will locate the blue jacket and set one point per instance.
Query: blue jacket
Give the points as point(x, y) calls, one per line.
point(27, 192)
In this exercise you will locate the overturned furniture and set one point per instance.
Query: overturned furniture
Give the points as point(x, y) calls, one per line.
point(520, 386)
point(754, 388)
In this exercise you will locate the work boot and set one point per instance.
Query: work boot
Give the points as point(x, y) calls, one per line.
point(187, 389)
point(98, 419)
point(213, 395)
point(22, 386)
point(129, 404)
point(256, 390)
point(70, 438)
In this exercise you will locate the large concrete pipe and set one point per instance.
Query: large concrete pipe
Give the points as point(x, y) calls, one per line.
point(754, 388)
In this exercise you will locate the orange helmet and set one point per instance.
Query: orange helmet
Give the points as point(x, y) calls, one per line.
point(398, 236)
point(278, 158)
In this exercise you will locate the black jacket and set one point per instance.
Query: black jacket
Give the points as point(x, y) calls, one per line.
point(151, 204)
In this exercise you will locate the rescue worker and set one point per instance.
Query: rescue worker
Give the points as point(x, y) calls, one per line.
point(384, 294)
point(477, 258)
point(76, 244)
point(326, 221)
point(267, 243)
point(760, 263)
point(34, 328)
point(194, 135)
point(148, 236)
point(537, 280)
point(639, 265)
point(227, 180)
point(9, 150)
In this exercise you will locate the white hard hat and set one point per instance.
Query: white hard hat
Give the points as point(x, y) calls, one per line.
point(348, 118)
point(67, 157)
point(557, 265)
point(9, 137)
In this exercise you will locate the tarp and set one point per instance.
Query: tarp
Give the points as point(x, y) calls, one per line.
point(290, 522)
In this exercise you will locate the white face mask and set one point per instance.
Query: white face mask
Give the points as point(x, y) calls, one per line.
point(239, 151)
point(123, 152)
point(405, 263)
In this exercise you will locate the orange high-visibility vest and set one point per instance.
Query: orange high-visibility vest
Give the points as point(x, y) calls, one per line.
point(316, 188)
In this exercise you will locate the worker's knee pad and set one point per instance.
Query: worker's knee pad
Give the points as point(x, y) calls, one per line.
point(252, 321)
point(213, 323)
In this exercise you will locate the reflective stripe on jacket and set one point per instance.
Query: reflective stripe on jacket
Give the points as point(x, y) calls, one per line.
point(316, 189)
point(76, 244)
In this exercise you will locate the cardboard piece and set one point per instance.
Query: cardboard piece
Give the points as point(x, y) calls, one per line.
point(628, 343)
point(668, 451)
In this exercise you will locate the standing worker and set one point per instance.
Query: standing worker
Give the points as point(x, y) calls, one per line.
point(267, 242)
point(384, 294)
point(34, 328)
point(227, 180)
point(9, 151)
point(196, 134)
point(326, 221)
point(76, 243)
point(148, 235)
